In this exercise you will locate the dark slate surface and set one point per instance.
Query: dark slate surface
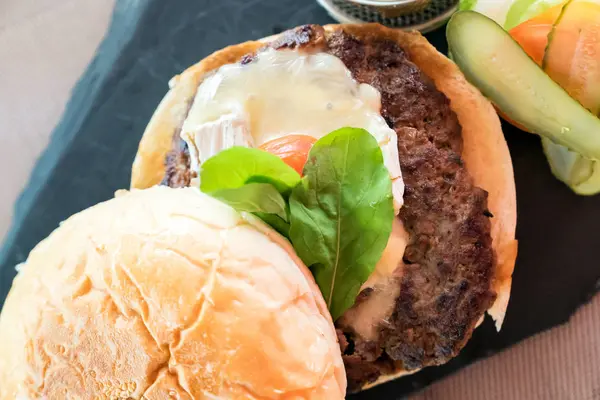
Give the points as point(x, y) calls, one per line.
point(92, 148)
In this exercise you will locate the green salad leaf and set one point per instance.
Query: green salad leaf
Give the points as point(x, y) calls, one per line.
point(508, 13)
point(241, 176)
point(467, 4)
point(341, 214)
point(338, 217)
point(276, 222)
point(523, 10)
point(254, 197)
point(237, 166)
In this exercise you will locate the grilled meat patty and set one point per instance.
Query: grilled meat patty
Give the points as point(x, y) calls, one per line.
point(445, 284)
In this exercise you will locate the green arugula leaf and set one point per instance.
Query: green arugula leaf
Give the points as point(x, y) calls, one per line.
point(341, 214)
point(276, 222)
point(281, 187)
point(254, 198)
point(234, 167)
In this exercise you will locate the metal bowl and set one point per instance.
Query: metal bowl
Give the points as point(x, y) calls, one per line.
point(433, 15)
point(393, 8)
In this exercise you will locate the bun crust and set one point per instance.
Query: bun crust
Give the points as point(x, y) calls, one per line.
point(161, 293)
point(485, 151)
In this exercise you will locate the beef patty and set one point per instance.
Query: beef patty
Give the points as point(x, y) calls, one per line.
point(448, 265)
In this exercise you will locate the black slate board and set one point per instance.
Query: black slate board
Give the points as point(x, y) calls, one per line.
point(148, 42)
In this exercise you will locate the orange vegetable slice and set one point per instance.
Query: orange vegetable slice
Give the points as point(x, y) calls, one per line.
point(292, 149)
point(573, 55)
point(532, 35)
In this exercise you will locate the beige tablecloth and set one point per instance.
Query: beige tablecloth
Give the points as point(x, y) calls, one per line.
point(44, 47)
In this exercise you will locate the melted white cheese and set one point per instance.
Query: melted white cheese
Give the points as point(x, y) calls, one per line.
point(281, 93)
point(366, 317)
point(391, 259)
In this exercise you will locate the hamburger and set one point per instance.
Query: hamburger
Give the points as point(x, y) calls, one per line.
point(451, 251)
point(353, 137)
point(166, 293)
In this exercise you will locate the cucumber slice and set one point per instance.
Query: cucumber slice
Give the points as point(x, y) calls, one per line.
point(580, 174)
point(571, 61)
point(496, 64)
point(572, 57)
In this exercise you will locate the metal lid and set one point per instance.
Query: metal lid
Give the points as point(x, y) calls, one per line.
point(433, 15)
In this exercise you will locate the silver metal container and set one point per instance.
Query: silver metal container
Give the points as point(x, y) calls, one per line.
point(421, 15)
point(393, 8)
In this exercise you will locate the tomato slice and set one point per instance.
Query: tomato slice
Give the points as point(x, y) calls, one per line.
point(532, 34)
point(573, 55)
point(292, 149)
point(565, 41)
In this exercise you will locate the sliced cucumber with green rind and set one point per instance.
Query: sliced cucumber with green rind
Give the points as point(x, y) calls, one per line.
point(552, 32)
point(496, 64)
point(577, 172)
point(580, 174)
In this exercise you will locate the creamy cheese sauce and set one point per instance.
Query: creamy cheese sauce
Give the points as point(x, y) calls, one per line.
point(366, 317)
point(391, 258)
point(285, 92)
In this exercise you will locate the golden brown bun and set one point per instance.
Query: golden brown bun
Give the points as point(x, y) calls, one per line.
point(166, 292)
point(485, 151)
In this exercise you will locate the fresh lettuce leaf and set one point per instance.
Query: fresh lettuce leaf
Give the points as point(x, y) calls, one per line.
point(341, 214)
point(523, 10)
point(494, 9)
point(254, 198)
point(237, 166)
point(508, 13)
point(516, 11)
point(467, 4)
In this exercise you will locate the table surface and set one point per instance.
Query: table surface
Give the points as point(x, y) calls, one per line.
point(45, 46)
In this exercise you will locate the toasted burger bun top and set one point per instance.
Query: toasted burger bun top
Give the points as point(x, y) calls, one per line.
point(484, 148)
point(166, 293)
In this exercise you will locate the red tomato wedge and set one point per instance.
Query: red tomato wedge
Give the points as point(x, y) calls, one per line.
point(532, 34)
point(292, 149)
point(573, 55)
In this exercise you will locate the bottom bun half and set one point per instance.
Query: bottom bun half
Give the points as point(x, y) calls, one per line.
point(485, 151)
point(166, 293)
